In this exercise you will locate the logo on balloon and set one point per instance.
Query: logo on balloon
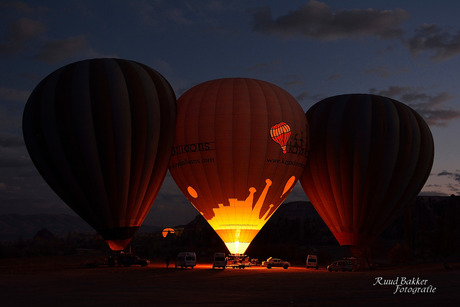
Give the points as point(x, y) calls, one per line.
point(281, 133)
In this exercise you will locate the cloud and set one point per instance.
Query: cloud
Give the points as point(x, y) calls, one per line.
point(178, 16)
point(57, 50)
point(432, 193)
point(13, 94)
point(10, 118)
point(385, 72)
point(452, 175)
point(293, 80)
point(317, 20)
point(430, 107)
point(16, 5)
point(153, 13)
point(264, 67)
point(334, 77)
point(11, 140)
point(444, 173)
point(26, 37)
point(14, 158)
point(442, 183)
point(187, 13)
point(19, 32)
point(9, 160)
point(302, 96)
point(430, 37)
point(307, 96)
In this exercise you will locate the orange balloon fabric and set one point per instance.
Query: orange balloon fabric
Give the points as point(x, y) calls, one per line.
point(370, 156)
point(100, 132)
point(225, 160)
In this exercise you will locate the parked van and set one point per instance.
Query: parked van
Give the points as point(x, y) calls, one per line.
point(185, 260)
point(219, 261)
point(312, 261)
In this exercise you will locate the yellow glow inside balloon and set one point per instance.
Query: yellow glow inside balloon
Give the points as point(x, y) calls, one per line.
point(238, 223)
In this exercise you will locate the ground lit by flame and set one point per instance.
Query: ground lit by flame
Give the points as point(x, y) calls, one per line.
point(238, 223)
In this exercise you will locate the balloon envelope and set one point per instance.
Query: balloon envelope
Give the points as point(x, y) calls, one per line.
point(225, 159)
point(100, 132)
point(370, 156)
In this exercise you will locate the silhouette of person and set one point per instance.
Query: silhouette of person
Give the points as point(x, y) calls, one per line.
point(167, 262)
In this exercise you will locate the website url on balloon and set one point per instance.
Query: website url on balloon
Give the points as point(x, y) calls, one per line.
point(286, 162)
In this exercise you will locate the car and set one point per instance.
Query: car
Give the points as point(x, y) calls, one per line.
point(343, 265)
point(130, 259)
point(276, 262)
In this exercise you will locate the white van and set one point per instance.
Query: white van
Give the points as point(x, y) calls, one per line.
point(185, 260)
point(312, 261)
point(220, 261)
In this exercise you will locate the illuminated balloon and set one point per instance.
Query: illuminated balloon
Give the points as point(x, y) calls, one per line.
point(100, 132)
point(281, 133)
point(370, 157)
point(225, 160)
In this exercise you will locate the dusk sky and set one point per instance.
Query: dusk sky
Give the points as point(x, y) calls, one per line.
point(405, 50)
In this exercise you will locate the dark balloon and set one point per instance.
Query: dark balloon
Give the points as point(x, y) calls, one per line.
point(100, 132)
point(240, 147)
point(370, 157)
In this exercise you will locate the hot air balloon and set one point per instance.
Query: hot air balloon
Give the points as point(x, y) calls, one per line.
point(225, 160)
point(100, 132)
point(167, 231)
point(370, 157)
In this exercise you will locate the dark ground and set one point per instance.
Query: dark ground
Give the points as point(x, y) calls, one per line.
point(66, 281)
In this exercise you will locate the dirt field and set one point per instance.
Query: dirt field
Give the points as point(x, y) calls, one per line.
point(66, 281)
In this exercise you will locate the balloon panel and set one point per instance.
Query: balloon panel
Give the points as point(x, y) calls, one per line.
point(370, 156)
point(100, 132)
point(227, 157)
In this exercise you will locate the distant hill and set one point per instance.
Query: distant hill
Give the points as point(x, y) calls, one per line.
point(296, 210)
point(298, 218)
point(15, 226)
point(298, 223)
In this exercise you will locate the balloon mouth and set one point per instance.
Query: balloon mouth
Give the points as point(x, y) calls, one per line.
point(353, 239)
point(237, 248)
point(118, 245)
point(118, 238)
